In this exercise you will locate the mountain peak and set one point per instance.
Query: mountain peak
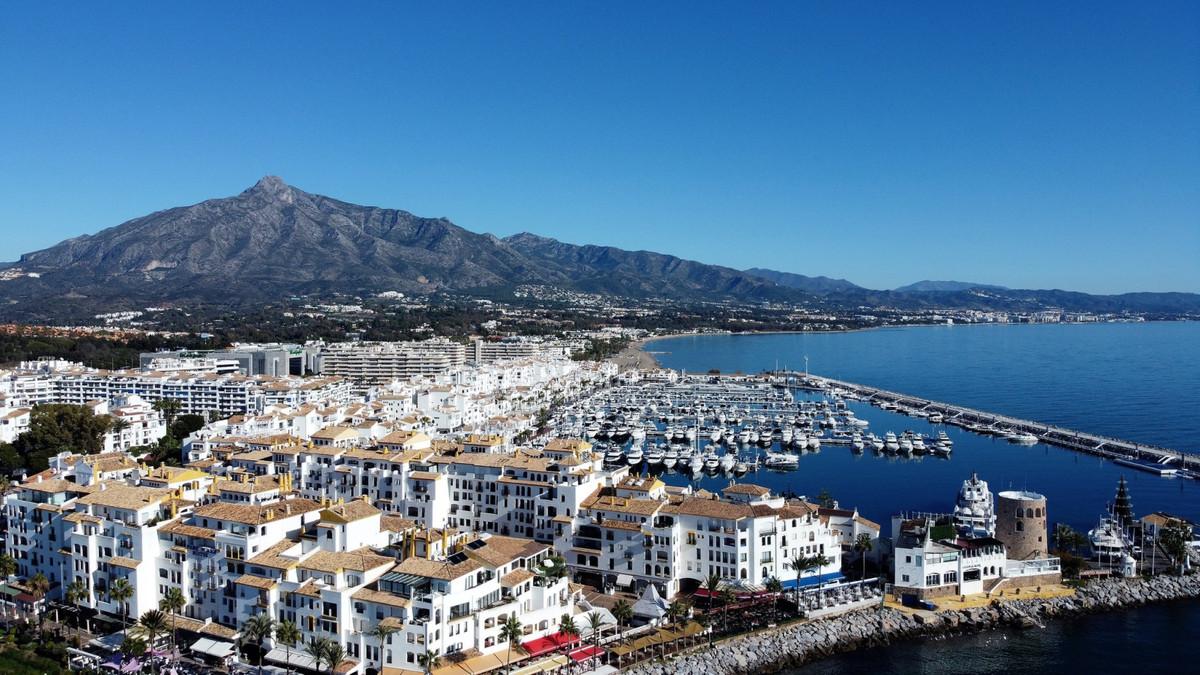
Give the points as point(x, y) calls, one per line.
point(271, 186)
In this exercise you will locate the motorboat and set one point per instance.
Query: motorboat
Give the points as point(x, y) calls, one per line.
point(634, 455)
point(781, 461)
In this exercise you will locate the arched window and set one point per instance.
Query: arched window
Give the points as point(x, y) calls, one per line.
point(743, 574)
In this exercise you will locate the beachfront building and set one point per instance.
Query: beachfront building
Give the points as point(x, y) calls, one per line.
point(638, 532)
point(932, 560)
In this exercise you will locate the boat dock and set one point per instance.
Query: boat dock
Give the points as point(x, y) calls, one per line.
point(1141, 456)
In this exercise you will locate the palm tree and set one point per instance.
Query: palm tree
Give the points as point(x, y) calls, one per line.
point(257, 629)
point(77, 594)
point(802, 564)
point(288, 635)
point(382, 632)
point(676, 611)
point(774, 586)
point(334, 654)
point(429, 661)
point(622, 611)
point(39, 585)
point(316, 648)
point(133, 646)
point(8, 565)
point(511, 630)
point(151, 625)
point(120, 592)
point(595, 624)
point(727, 599)
point(172, 603)
point(169, 407)
point(711, 584)
point(566, 626)
point(863, 545)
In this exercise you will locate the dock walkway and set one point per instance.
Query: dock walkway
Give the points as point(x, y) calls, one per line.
point(1152, 458)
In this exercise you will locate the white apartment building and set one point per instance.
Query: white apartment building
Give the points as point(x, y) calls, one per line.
point(638, 532)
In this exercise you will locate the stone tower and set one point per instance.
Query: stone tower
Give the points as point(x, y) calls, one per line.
point(1021, 524)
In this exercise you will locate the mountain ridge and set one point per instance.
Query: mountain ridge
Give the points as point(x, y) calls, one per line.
point(273, 241)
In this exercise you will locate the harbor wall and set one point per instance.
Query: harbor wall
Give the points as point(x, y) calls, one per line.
point(802, 643)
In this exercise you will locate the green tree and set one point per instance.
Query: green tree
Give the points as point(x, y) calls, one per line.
point(133, 647)
point(595, 625)
point(383, 633)
point(711, 583)
point(39, 585)
point(334, 655)
point(622, 611)
point(77, 594)
point(825, 500)
point(8, 565)
point(727, 600)
point(567, 626)
point(55, 428)
point(172, 603)
point(287, 634)
point(169, 407)
point(429, 661)
point(151, 625)
point(511, 631)
point(120, 592)
point(256, 630)
point(317, 648)
point(863, 545)
point(801, 565)
point(774, 586)
point(1174, 539)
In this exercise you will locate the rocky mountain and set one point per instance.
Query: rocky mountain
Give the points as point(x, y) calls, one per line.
point(814, 285)
point(928, 286)
point(274, 240)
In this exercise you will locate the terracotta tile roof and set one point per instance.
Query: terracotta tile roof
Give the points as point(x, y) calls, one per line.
point(116, 495)
point(437, 569)
point(253, 581)
point(332, 562)
point(257, 514)
point(516, 577)
point(380, 597)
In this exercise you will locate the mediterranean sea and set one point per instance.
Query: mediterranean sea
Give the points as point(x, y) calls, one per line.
point(1136, 381)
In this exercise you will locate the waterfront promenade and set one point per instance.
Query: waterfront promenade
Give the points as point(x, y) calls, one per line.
point(799, 643)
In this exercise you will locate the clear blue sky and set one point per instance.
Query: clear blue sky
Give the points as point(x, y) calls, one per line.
point(1032, 145)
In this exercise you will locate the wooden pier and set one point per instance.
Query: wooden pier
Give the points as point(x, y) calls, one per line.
point(1151, 458)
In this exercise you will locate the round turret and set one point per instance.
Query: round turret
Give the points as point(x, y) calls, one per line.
point(1021, 524)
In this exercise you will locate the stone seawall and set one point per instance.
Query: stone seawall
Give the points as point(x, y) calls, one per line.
point(801, 643)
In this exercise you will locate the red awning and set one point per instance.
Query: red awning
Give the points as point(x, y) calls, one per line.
point(549, 643)
point(584, 653)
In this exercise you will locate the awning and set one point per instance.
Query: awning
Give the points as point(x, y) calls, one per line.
point(548, 643)
point(215, 648)
point(298, 658)
point(544, 666)
point(584, 653)
point(624, 580)
point(813, 580)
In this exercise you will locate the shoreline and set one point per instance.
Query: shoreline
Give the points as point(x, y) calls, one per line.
point(802, 643)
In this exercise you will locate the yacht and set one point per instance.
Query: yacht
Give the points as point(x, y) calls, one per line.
point(696, 462)
point(814, 443)
point(614, 456)
point(654, 456)
point(1111, 547)
point(634, 455)
point(743, 436)
point(875, 441)
point(714, 436)
point(856, 441)
point(779, 460)
point(670, 457)
point(711, 462)
point(935, 418)
point(1024, 438)
point(637, 434)
point(906, 445)
point(728, 460)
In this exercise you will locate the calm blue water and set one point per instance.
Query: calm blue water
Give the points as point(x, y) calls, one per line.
point(1135, 381)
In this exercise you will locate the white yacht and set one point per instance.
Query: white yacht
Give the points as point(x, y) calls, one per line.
point(890, 441)
point(814, 443)
point(727, 461)
point(654, 456)
point(780, 460)
point(634, 455)
point(875, 441)
point(1024, 438)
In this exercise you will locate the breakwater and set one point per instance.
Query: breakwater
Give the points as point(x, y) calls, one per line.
point(801, 643)
point(1148, 457)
